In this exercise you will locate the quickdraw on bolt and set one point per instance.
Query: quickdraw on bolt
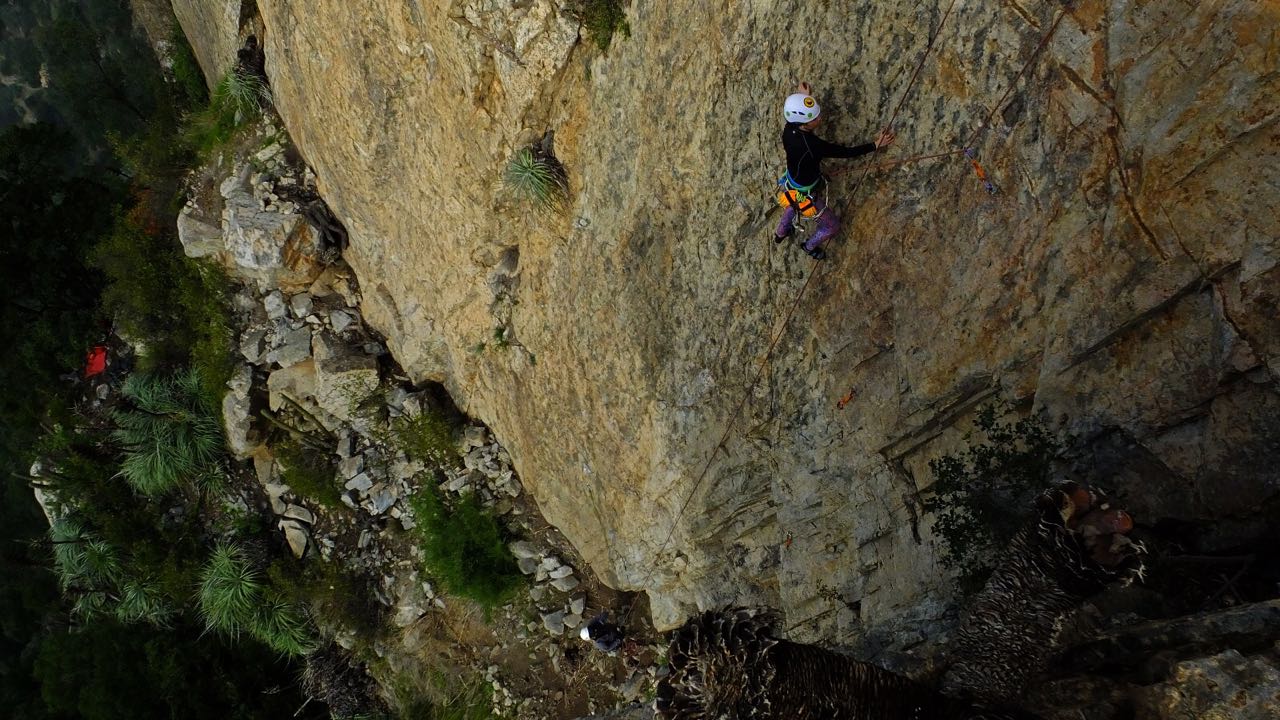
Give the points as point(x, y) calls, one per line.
point(982, 174)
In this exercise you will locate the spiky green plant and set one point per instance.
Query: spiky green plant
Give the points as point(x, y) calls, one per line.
point(91, 604)
point(68, 537)
point(539, 179)
point(281, 626)
point(230, 591)
point(142, 601)
point(169, 435)
point(241, 93)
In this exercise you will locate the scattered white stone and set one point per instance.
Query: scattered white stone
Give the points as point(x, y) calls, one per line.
point(537, 592)
point(573, 620)
point(346, 500)
point(578, 604)
point(561, 572)
point(528, 566)
point(269, 152)
point(364, 540)
point(407, 522)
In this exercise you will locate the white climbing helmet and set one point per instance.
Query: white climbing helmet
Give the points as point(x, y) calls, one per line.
point(800, 108)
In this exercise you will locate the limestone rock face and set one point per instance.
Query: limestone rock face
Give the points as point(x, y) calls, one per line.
point(212, 28)
point(1123, 280)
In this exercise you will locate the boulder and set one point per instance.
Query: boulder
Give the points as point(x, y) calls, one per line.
point(344, 376)
point(294, 347)
point(301, 305)
point(296, 534)
point(277, 250)
point(298, 381)
point(199, 239)
point(273, 303)
point(297, 512)
point(251, 344)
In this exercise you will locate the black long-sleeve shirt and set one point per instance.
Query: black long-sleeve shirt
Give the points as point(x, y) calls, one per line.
point(805, 152)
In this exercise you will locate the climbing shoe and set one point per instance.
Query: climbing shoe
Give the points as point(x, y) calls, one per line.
point(816, 253)
point(779, 238)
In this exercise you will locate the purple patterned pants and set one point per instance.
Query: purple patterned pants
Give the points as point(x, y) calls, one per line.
point(828, 223)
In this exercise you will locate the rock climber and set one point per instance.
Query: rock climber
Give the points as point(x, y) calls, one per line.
point(805, 152)
point(606, 636)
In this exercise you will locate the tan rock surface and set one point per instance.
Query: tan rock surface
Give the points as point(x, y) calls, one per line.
point(1123, 282)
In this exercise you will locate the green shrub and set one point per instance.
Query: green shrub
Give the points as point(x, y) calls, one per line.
point(336, 597)
point(230, 591)
point(982, 493)
point(602, 18)
point(169, 433)
point(538, 179)
point(175, 305)
point(308, 473)
point(427, 436)
point(465, 548)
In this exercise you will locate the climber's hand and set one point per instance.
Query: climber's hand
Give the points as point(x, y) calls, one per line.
point(806, 88)
point(885, 138)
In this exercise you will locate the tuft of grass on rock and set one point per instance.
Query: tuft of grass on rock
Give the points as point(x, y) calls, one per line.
point(538, 179)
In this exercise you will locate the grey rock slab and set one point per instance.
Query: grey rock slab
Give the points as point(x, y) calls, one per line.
point(554, 622)
point(300, 304)
point(528, 566)
point(297, 512)
point(251, 344)
point(524, 549)
point(294, 347)
point(274, 304)
point(561, 572)
point(199, 239)
point(360, 483)
point(296, 535)
point(578, 604)
point(350, 467)
point(340, 320)
point(565, 584)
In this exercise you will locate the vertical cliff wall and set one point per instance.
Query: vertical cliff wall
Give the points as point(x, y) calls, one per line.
point(1122, 282)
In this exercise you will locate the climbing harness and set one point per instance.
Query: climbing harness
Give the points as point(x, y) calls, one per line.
point(794, 195)
point(982, 174)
